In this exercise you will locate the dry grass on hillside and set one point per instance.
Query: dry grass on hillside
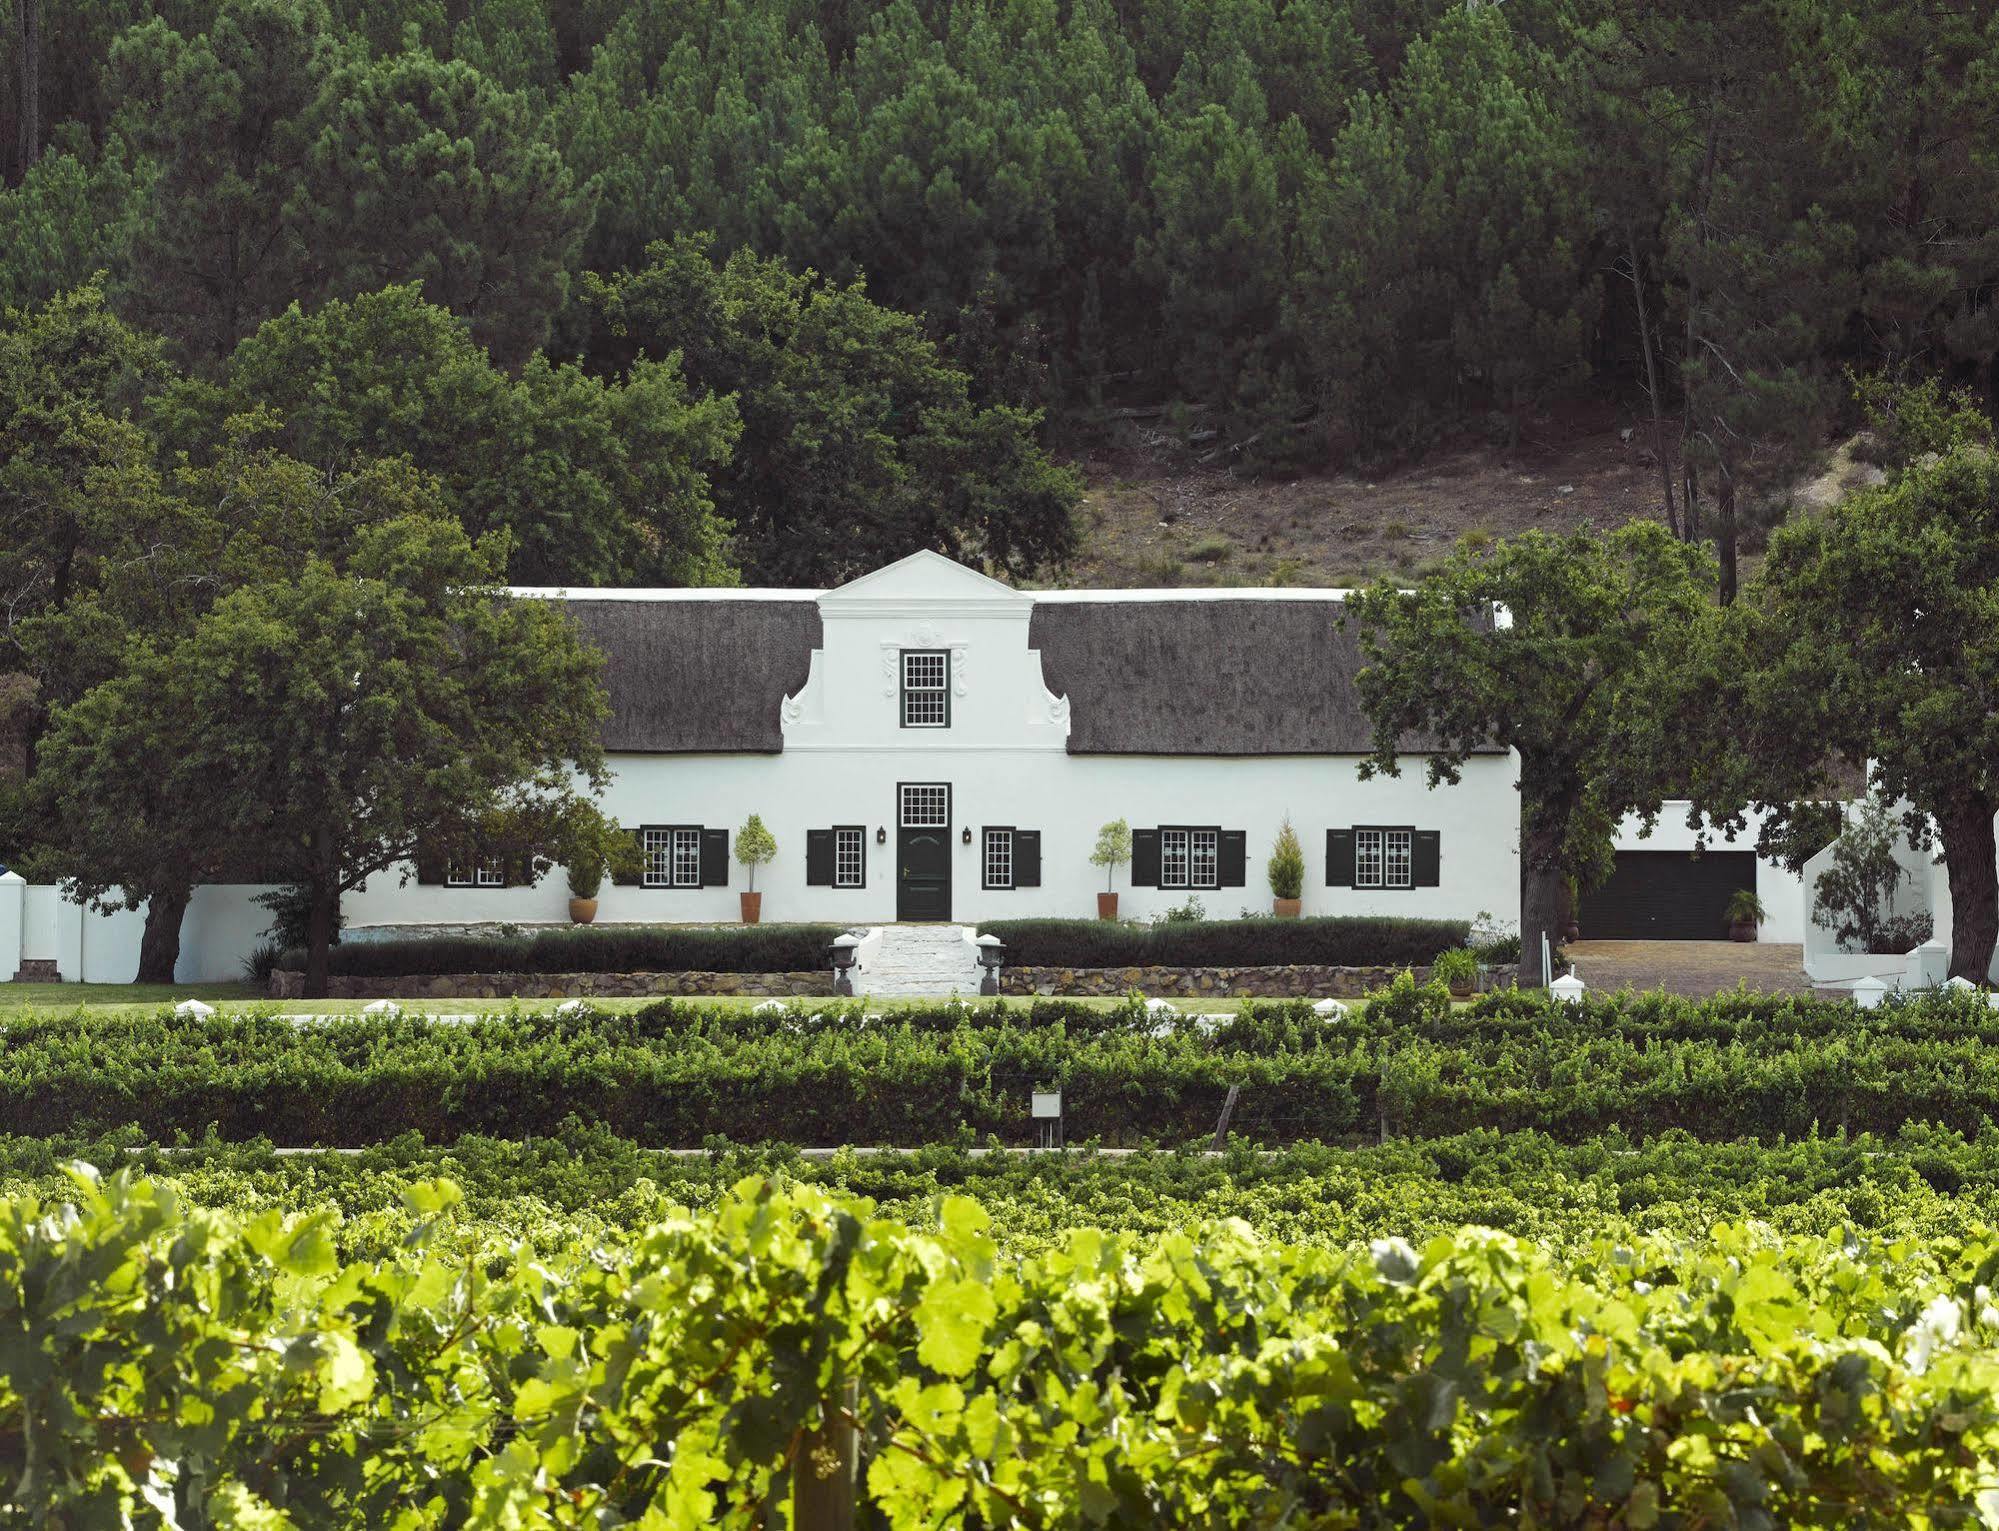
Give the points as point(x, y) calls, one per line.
point(1152, 517)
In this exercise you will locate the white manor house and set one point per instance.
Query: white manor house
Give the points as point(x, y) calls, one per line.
point(929, 744)
point(926, 743)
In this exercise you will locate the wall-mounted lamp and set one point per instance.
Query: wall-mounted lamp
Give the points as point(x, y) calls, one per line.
point(965, 838)
point(881, 835)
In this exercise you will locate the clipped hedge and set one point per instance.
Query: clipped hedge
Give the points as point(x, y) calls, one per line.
point(1336, 940)
point(592, 949)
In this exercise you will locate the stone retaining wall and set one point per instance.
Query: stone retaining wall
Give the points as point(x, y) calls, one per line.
point(291, 985)
point(1300, 981)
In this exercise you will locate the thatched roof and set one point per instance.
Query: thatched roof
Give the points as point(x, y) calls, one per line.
point(699, 676)
point(1213, 673)
point(1254, 675)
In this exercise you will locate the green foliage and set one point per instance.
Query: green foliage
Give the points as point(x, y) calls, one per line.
point(588, 845)
point(71, 216)
point(1338, 940)
point(845, 406)
point(1287, 864)
point(1458, 965)
point(1592, 675)
point(431, 172)
point(1112, 850)
point(518, 1389)
point(1923, 1187)
point(595, 481)
point(1876, 639)
point(1855, 893)
point(598, 949)
point(1410, 1063)
point(1744, 908)
point(226, 116)
point(1448, 266)
point(755, 846)
point(327, 725)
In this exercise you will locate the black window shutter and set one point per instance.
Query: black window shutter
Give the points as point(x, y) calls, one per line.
point(1426, 858)
point(429, 865)
point(1232, 867)
point(818, 858)
point(1339, 858)
point(1027, 858)
point(633, 876)
point(1145, 858)
point(714, 858)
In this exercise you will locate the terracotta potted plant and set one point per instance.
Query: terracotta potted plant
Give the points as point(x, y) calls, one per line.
point(1457, 970)
point(754, 847)
point(1113, 851)
point(585, 878)
point(1287, 873)
point(591, 845)
point(1744, 913)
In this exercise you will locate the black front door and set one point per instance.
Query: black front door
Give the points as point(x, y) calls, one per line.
point(923, 851)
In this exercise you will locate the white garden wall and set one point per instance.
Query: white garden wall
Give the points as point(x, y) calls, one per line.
point(37, 924)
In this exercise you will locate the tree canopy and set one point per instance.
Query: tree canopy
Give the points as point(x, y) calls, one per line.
point(1570, 649)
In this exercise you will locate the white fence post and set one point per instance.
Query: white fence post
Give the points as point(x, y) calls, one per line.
point(13, 901)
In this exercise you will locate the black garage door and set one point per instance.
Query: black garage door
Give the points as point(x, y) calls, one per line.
point(1666, 896)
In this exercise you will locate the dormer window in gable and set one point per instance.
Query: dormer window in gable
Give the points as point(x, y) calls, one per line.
point(926, 688)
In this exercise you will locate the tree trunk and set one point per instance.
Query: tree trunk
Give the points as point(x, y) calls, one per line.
point(28, 95)
point(159, 946)
point(321, 914)
point(1544, 892)
point(1652, 386)
point(1724, 533)
point(1972, 864)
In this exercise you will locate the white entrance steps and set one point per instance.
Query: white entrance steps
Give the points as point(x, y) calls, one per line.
point(919, 961)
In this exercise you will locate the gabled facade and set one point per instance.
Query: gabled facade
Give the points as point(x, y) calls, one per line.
point(926, 743)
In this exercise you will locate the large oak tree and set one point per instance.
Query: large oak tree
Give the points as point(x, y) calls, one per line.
point(1567, 649)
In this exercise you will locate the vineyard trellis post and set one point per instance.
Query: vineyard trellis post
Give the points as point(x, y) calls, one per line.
point(826, 1476)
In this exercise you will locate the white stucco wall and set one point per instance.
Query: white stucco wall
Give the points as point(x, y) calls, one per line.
point(224, 924)
point(1782, 892)
point(1005, 757)
point(1065, 797)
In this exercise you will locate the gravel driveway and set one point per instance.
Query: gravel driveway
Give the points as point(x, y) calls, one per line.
point(1694, 968)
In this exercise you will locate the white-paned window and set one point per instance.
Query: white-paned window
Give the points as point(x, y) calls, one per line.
point(999, 858)
point(1190, 858)
point(672, 857)
point(1400, 848)
point(926, 688)
point(468, 871)
point(1173, 857)
point(926, 805)
point(1369, 857)
point(687, 858)
point(1207, 857)
point(850, 858)
point(1384, 858)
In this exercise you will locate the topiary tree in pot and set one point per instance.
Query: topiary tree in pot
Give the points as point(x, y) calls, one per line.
point(1113, 851)
point(1287, 872)
point(591, 845)
point(755, 846)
